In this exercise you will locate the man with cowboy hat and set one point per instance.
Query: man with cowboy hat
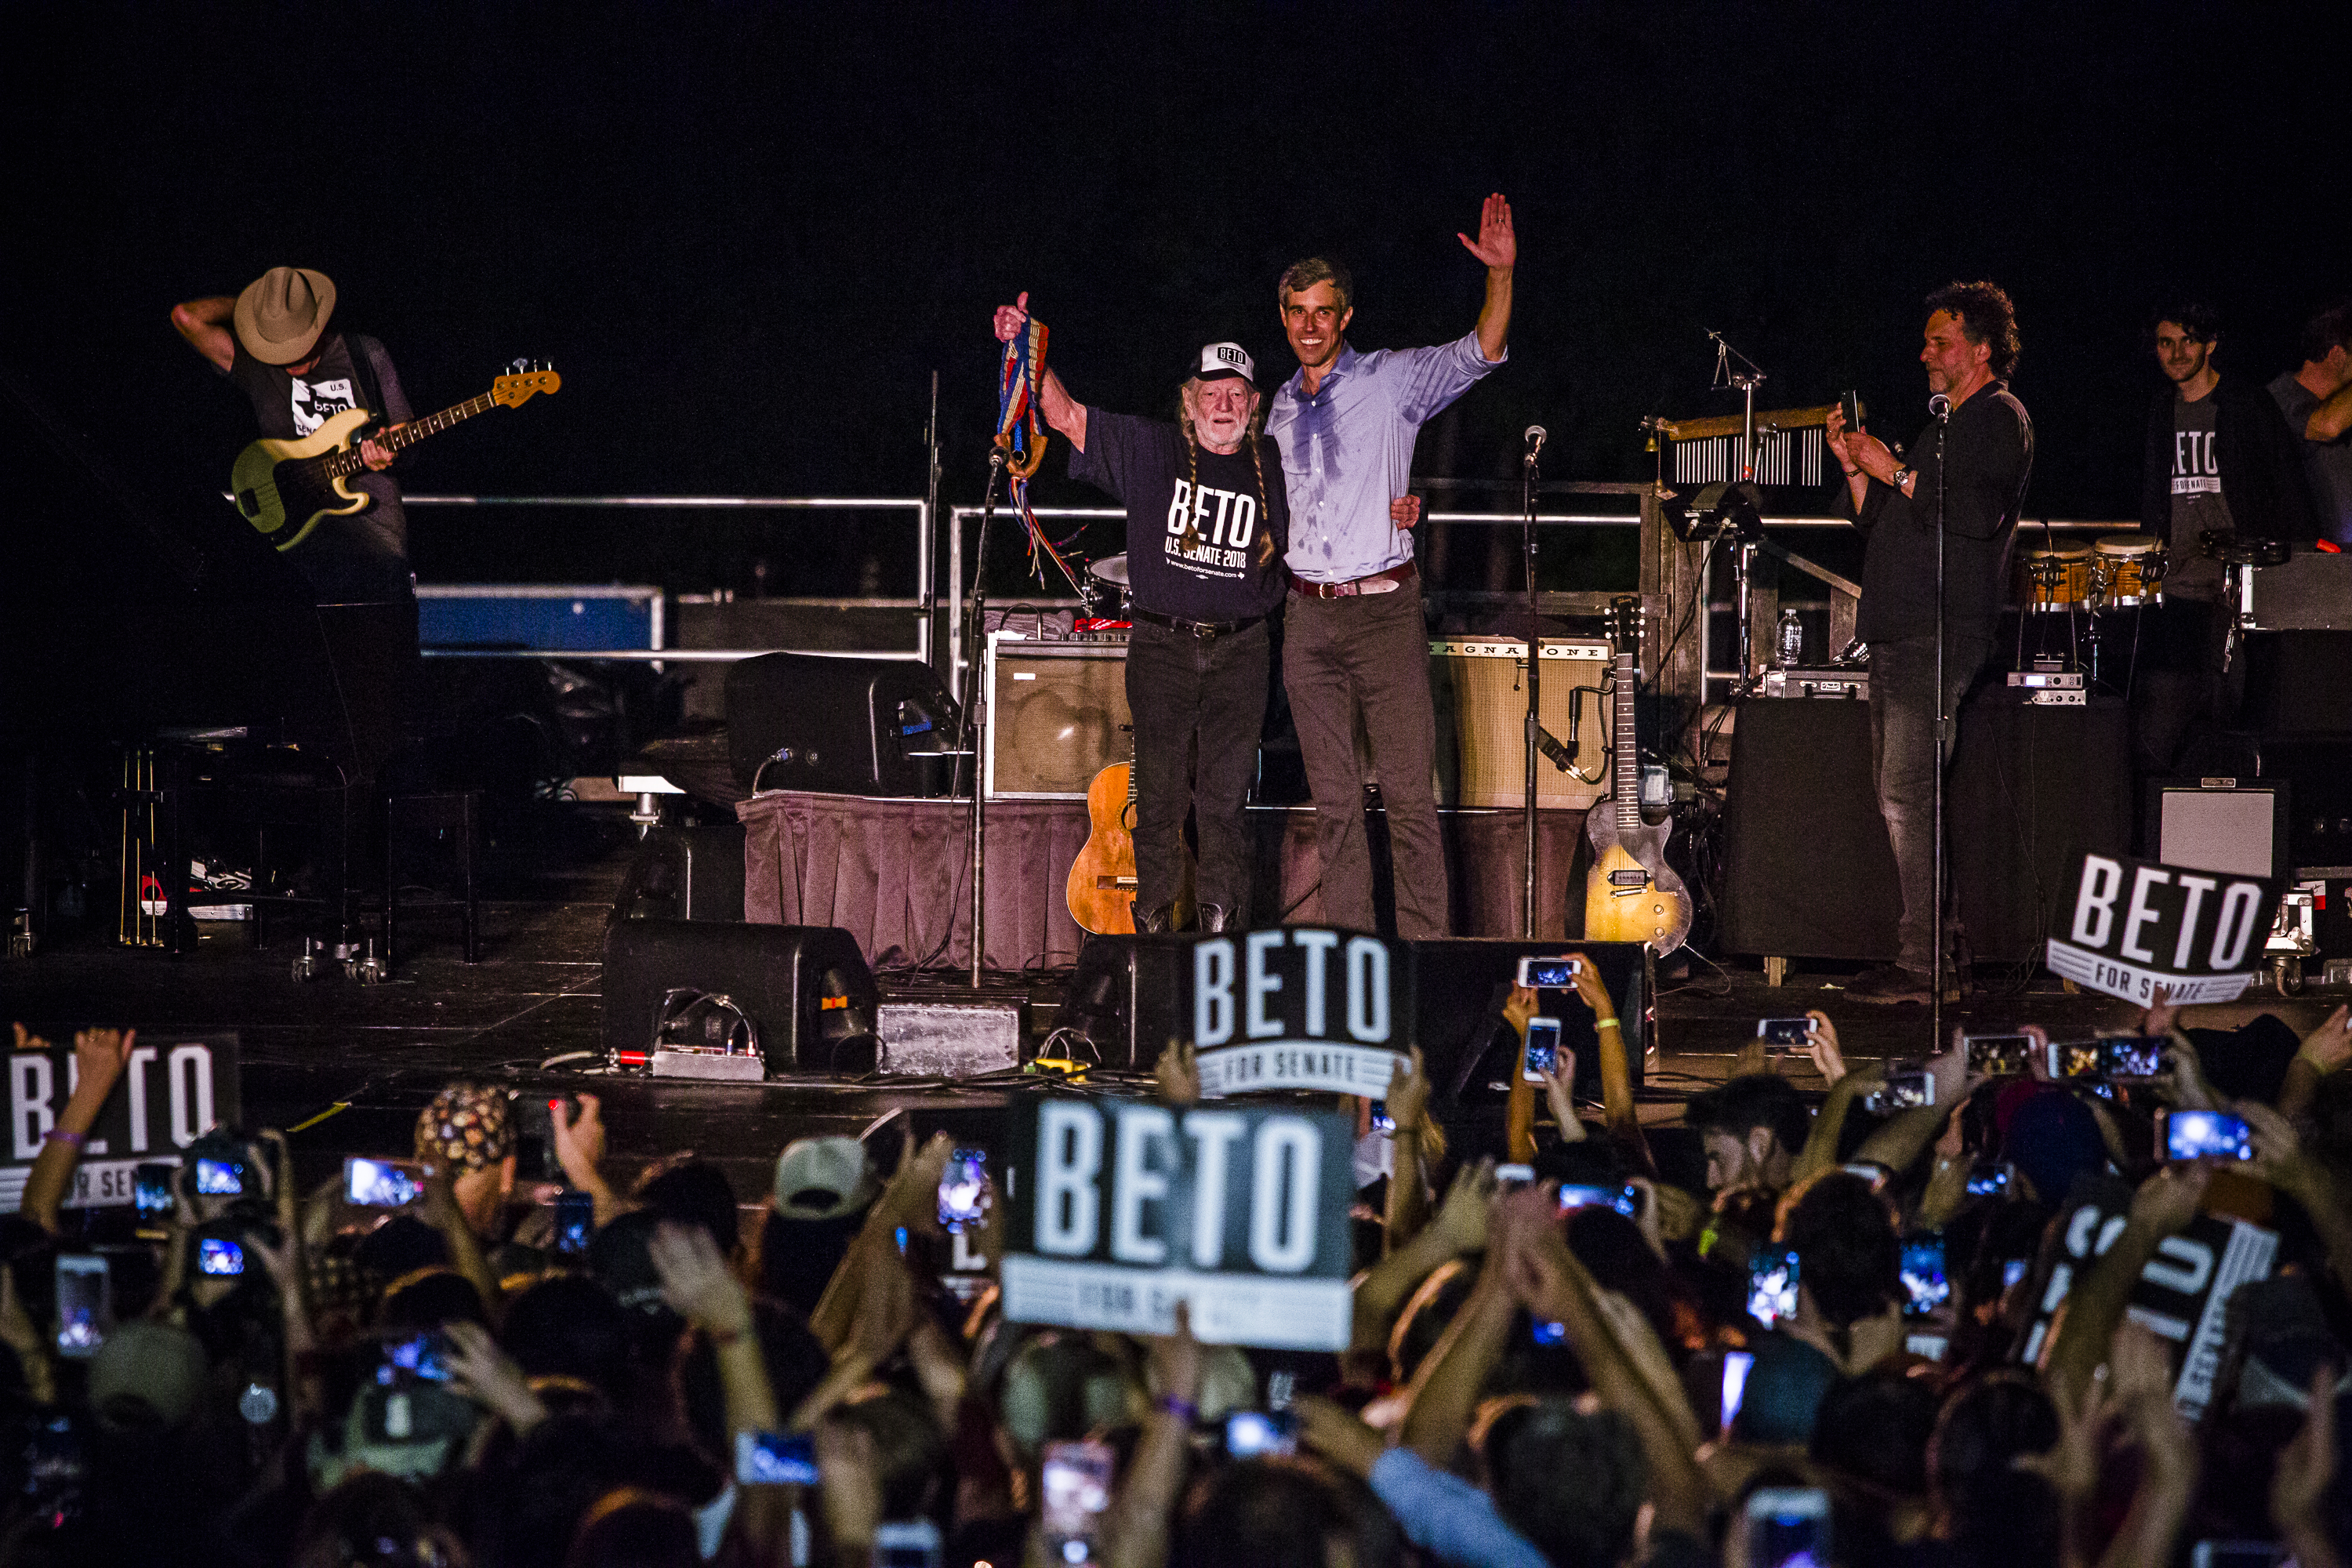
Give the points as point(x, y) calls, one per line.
point(272, 341)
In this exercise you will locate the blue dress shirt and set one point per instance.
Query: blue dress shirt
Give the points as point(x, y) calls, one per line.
point(1347, 451)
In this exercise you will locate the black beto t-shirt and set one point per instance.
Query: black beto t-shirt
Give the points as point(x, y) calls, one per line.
point(1195, 548)
point(363, 557)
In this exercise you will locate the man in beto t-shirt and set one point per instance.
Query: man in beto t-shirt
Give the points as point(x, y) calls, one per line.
point(1206, 528)
point(2218, 458)
point(2316, 401)
point(272, 341)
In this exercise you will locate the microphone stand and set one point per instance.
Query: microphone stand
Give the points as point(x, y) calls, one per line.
point(1535, 678)
point(1941, 407)
point(976, 719)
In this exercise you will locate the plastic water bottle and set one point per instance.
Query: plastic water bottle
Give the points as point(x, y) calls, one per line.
point(1790, 644)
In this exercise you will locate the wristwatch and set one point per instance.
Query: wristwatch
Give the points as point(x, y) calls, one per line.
point(1902, 477)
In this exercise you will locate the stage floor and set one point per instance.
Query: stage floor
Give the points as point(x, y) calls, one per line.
point(357, 1062)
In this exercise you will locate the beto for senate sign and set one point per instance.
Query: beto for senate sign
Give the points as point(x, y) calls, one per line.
point(1118, 1209)
point(1300, 1007)
point(2134, 925)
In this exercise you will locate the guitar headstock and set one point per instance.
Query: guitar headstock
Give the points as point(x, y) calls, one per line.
point(1627, 619)
point(524, 380)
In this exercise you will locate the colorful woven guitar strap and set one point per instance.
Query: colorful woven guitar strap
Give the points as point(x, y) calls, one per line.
point(1019, 437)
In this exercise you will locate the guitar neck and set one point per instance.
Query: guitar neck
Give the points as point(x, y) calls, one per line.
point(416, 430)
point(1625, 782)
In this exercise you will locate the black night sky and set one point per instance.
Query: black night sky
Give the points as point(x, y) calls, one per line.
point(746, 234)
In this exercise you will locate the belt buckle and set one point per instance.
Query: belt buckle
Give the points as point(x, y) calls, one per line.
point(1202, 631)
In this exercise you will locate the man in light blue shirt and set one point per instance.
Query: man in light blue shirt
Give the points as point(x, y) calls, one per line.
point(1355, 641)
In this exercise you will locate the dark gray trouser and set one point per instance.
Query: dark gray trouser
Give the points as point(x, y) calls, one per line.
point(1198, 706)
point(1903, 759)
point(1368, 653)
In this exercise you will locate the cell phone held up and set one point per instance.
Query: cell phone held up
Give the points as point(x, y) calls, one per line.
point(1785, 1031)
point(1549, 974)
point(383, 1184)
point(1788, 1527)
point(2000, 1056)
point(2207, 1135)
point(1906, 1088)
point(1850, 405)
point(1541, 1055)
point(963, 1190)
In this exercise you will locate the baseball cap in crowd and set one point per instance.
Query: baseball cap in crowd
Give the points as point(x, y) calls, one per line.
point(466, 1127)
point(1217, 362)
point(146, 1377)
point(823, 1178)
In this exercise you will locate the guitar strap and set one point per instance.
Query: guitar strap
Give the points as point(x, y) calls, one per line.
point(364, 351)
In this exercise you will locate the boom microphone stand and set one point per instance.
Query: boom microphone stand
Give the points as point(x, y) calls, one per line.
point(1941, 407)
point(1536, 434)
point(975, 718)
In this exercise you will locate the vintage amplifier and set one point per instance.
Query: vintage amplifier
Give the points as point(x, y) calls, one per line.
point(2310, 591)
point(1480, 686)
point(1842, 685)
point(1057, 713)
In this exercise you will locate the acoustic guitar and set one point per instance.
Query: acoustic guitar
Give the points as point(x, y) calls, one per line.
point(284, 487)
point(1101, 888)
point(1631, 894)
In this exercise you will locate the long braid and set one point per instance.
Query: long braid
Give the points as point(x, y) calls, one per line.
point(1264, 513)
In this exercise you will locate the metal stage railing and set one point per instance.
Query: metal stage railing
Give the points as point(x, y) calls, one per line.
point(1668, 567)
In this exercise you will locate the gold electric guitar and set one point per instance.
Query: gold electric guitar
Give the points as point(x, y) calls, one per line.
point(284, 487)
point(1631, 894)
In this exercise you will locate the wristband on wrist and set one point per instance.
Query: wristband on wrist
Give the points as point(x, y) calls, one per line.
point(1609, 1024)
point(59, 1135)
point(1184, 1410)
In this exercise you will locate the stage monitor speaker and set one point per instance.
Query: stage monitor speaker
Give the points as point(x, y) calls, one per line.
point(844, 726)
point(1480, 686)
point(2234, 826)
point(685, 873)
point(1460, 984)
point(1126, 996)
point(2299, 683)
point(806, 987)
point(1057, 715)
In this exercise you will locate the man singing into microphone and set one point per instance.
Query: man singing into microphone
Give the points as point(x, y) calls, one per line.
point(1988, 452)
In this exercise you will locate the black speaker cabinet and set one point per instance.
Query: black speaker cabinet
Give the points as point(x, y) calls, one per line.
point(1057, 714)
point(807, 987)
point(1461, 984)
point(844, 726)
point(1127, 994)
point(685, 873)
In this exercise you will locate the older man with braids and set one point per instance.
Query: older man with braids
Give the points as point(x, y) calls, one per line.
point(1206, 528)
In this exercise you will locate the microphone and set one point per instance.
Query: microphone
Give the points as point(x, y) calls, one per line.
point(1941, 405)
point(1535, 438)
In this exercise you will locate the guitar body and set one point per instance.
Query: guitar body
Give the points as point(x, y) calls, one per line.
point(1631, 894)
point(283, 488)
point(1101, 888)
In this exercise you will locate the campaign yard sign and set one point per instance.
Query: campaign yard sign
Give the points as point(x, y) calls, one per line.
point(1118, 1209)
point(175, 1088)
point(2182, 1294)
point(2134, 925)
point(1300, 1007)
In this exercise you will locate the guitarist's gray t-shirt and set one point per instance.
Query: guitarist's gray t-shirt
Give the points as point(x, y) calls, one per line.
point(364, 557)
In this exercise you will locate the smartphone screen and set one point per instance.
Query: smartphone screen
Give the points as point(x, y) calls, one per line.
point(151, 1188)
point(85, 1307)
point(383, 1184)
point(962, 1185)
point(1075, 1484)
point(575, 1223)
point(907, 1543)
point(1772, 1284)
point(1626, 1199)
point(2206, 1135)
point(219, 1178)
point(1784, 1031)
point(1551, 973)
point(2075, 1058)
point(1989, 1181)
point(1249, 1433)
point(776, 1459)
point(1542, 1049)
point(1925, 1285)
point(1548, 1331)
point(1904, 1091)
point(219, 1257)
point(1788, 1527)
point(2239, 1554)
point(1999, 1055)
point(1851, 404)
point(1515, 1175)
point(1381, 1121)
point(2131, 1055)
point(425, 1355)
point(1736, 1367)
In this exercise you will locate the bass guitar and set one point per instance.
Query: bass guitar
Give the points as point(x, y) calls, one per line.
point(284, 487)
point(1101, 888)
point(1631, 894)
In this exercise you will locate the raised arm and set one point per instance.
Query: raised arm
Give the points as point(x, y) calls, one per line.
point(100, 1057)
point(206, 324)
point(2165, 1203)
point(1408, 1202)
point(1065, 414)
point(1498, 248)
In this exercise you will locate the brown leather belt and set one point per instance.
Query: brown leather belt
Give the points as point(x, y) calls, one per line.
point(1386, 582)
point(1204, 630)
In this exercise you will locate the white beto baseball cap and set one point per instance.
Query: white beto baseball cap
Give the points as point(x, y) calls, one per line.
point(1216, 362)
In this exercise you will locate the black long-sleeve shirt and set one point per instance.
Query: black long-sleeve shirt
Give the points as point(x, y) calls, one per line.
point(1990, 445)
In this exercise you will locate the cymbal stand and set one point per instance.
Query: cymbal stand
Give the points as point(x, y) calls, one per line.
point(1746, 375)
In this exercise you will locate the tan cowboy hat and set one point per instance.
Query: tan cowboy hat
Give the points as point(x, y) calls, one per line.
point(282, 313)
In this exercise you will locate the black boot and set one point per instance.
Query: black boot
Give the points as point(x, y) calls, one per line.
point(1215, 916)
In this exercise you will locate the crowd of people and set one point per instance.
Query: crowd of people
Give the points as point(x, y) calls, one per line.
point(1797, 1327)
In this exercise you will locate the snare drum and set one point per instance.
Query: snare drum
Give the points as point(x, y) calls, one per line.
point(2130, 567)
point(1108, 579)
point(2054, 579)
